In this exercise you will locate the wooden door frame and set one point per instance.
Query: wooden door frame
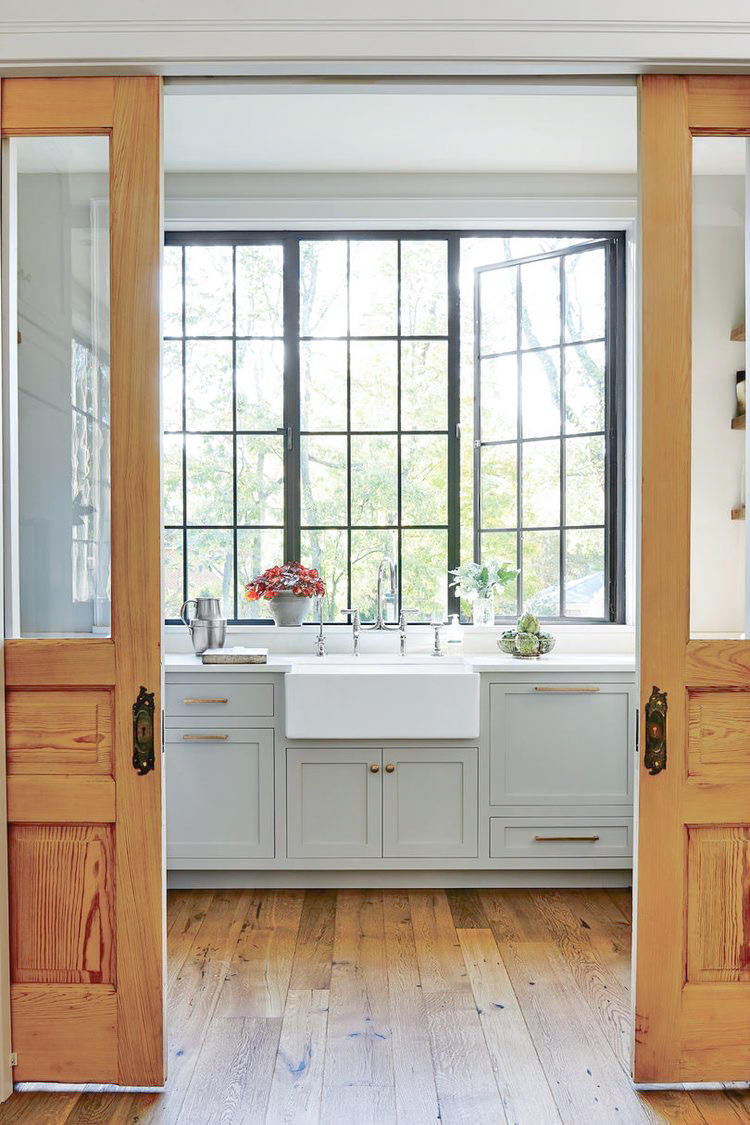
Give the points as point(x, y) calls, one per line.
point(673, 110)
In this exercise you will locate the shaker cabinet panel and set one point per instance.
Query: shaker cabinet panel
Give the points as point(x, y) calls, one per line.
point(333, 803)
point(430, 798)
point(561, 744)
point(220, 796)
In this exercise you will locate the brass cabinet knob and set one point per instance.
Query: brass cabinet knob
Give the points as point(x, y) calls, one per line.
point(390, 767)
point(375, 768)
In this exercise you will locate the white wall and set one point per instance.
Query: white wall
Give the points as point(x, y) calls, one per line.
point(717, 542)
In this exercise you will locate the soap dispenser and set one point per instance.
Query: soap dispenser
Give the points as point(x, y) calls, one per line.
point(454, 634)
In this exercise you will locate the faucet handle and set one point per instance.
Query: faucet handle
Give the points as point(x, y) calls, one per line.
point(352, 613)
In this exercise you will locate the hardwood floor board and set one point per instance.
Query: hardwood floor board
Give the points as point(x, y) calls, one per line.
point(358, 1050)
point(313, 955)
point(518, 1072)
point(592, 971)
point(608, 928)
point(731, 1107)
point(623, 899)
point(675, 1107)
point(232, 1078)
point(113, 1109)
point(177, 901)
point(441, 965)
point(357, 1105)
point(467, 910)
point(513, 916)
point(466, 1087)
point(37, 1108)
point(587, 1081)
point(413, 1072)
point(185, 927)
point(297, 1086)
point(258, 977)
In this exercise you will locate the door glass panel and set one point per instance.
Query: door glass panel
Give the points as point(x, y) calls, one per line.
point(62, 193)
point(717, 563)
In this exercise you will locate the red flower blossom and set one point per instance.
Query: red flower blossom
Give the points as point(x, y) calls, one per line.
point(291, 578)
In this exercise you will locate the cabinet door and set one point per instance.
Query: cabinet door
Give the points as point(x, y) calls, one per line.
point(557, 744)
point(333, 803)
point(430, 803)
point(219, 796)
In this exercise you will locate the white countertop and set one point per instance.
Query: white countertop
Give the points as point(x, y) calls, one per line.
point(587, 663)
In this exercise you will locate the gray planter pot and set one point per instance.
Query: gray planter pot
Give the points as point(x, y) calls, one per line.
point(288, 609)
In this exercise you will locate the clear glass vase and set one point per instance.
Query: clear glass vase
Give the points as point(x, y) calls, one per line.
point(483, 611)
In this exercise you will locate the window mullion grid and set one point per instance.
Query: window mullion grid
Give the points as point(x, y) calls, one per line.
point(563, 450)
point(399, 518)
point(184, 437)
point(477, 437)
point(291, 436)
point(235, 606)
point(453, 261)
point(348, 426)
point(519, 445)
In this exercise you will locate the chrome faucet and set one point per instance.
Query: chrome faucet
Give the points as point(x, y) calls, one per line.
point(320, 640)
point(356, 629)
point(385, 563)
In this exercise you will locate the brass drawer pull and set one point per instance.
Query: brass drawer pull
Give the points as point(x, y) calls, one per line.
point(205, 737)
point(390, 767)
point(579, 839)
point(225, 700)
point(374, 768)
point(574, 689)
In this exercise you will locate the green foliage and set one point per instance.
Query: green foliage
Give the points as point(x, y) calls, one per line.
point(480, 580)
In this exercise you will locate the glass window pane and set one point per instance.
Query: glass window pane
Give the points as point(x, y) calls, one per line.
point(584, 388)
point(374, 385)
point(260, 384)
point(369, 548)
point(172, 573)
point(172, 472)
point(584, 480)
point(260, 479)
point(209, 479)
point(498, 476)
point(373, 288)
point(323, 290)
point(260, 290)
point(322, 372)
point(424, 385)
point(424, 288)
point(323, 480)
point(208, 290)
point(211, 566)
point(374, 481)
point(541, 573)
point(541, 483)
point(171, 385)
point(540, 375)
point(424, 479)
point(585, 292)
point(584, 573)
point(540, 303)
point(256, 551)
point(499, 398)
point(501, 547)
point(424, 573)
point(62, 230)
point(497, 310)
point(172, 291)
point(208, 384)
point(327, 552)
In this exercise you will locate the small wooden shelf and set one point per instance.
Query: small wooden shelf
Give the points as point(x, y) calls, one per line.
point(738, 422)
point(738, 333)
point(738, 513)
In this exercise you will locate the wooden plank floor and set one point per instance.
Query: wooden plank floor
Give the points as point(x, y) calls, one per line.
point(350, 1007)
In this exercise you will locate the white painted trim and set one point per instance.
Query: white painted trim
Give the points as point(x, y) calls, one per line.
point(9, 350)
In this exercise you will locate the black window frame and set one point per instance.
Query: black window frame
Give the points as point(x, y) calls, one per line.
point(615, 393)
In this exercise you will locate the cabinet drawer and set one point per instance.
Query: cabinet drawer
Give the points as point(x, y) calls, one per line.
point(560, 837)
point(561, 744)
point(211, 737)
point(211, 697)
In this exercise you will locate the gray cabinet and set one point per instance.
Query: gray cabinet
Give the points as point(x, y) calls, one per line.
point(333, 803)
point(561, 744)
point(430, 800)
point(220, 796)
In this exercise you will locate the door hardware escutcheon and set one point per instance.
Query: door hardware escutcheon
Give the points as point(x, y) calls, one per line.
point(655, 756)
point(143, 732)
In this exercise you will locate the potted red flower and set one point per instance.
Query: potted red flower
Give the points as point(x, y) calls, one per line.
point(286, 589)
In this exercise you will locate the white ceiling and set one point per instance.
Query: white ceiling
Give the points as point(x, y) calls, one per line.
point(490, 131)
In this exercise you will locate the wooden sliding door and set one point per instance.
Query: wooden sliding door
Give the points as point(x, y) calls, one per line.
point(692, 982)
point(82, 248)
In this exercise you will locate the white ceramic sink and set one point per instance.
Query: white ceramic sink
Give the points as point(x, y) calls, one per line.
point(392, 698)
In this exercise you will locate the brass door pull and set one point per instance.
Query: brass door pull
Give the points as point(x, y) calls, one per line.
point(143, 732)
point(390, 767)
point(189, 701)
point(655, 756)
point(374, 768)
point(580, 839)
point(572, 689)
point(205, 737)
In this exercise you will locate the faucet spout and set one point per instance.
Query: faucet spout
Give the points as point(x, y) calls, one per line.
point(389, 565)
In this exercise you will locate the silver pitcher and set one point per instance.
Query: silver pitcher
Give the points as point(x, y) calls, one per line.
point(208, 629)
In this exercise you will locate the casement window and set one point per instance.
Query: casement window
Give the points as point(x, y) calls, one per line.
point(429, 396)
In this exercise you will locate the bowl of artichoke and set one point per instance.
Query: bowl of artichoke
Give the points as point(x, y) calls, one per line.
point(526, 641)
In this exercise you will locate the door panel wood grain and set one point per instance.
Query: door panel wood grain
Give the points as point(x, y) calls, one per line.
point(692, 949)
point(87, 882)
